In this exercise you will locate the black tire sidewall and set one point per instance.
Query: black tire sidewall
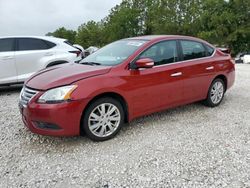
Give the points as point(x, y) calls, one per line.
point(92, 106)
point(209, 101)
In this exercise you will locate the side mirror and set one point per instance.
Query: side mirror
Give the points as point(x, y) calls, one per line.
point(144, 63)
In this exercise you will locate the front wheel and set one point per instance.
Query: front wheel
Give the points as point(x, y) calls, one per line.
point(216, 93)
point(103, 119)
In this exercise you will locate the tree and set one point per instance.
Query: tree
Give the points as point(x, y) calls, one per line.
point(221, 22)
point(239, 37)
point(90, 34)
point(122, 22)
point(226, 23)
point(64, 33)
point(175, 16)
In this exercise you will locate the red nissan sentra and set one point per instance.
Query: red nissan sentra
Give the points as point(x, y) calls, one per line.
point(124, 80)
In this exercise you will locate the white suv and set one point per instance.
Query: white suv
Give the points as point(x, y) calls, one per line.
point(20, 57)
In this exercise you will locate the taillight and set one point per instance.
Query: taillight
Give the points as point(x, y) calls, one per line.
point(232, 61)
point(78, 53)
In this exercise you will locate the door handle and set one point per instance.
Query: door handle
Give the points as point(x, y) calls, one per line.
point(176, 74)
point(210, 68)
point(49, 54)
point(8, 57)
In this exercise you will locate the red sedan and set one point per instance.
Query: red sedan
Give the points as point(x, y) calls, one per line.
point(124, 80)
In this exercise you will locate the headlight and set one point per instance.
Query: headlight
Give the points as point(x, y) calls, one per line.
point(57, 95)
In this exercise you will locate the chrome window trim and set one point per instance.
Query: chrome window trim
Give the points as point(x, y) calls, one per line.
point(178, 62)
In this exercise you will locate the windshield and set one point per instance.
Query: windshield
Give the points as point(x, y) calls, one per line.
point(114, 53)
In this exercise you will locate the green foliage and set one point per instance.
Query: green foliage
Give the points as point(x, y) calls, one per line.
point(64, 33)
point(90, 34)
point(221, 22)
point(123, 22)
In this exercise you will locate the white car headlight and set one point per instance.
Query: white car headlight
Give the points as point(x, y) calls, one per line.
point(57, 95)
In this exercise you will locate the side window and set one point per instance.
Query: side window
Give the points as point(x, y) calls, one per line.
point(210, 50)
point(31, 44)
point(162, 53)
point(7, 45)
point(192, 50)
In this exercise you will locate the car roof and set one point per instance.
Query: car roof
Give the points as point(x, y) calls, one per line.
point(165, 37)
point(49, 38)
point(159, 37)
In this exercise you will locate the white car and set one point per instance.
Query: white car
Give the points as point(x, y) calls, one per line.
point(246, 58)
point(20, 57)
point(90, 50)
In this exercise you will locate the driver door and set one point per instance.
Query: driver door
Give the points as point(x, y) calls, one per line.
point(159, 87)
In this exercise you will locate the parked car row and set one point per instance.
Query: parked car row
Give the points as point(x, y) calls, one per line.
point(124, 80)
point(97, 91)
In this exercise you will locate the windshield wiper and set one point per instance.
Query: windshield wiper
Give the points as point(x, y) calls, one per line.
point(90, 63)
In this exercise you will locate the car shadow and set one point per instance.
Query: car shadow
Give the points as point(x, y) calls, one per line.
point(58, 142)
point(10, 89)
point(70, 143)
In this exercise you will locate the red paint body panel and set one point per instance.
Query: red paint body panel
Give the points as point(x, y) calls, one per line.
point(145, 91)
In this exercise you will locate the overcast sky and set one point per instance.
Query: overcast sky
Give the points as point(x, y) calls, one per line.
point(38, 17)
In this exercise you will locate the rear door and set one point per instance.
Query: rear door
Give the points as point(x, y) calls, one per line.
point(8, 72)
point(198, 69)
point(30, 56)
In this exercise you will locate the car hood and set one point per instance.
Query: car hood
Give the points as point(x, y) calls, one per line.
point(64, 75)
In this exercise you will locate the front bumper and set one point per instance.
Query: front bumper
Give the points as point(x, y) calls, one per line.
point(61, 119)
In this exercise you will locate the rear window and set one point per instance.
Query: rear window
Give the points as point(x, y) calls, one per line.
point(32, 44)
point(7, 45)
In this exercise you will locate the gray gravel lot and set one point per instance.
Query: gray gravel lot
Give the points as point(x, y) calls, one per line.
point(190, 146)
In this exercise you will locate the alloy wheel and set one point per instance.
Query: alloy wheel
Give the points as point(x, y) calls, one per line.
point(104, 120)
point(217, 92)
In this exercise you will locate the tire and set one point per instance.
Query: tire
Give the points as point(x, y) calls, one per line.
point(100, 126)
point(215, 96)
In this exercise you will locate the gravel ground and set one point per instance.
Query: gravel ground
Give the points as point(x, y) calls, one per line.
point(190, 146)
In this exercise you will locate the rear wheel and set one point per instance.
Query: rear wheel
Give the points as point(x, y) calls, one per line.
point(216, 93)
point(103, 119)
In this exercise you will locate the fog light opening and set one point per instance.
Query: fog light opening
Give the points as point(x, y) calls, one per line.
point(44, 125)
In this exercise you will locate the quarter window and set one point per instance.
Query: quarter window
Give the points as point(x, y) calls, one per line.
point(192, 50)
point(210, 50)
point(162, 53)
point(50, 44)
point(7, 45)
point(31, 44)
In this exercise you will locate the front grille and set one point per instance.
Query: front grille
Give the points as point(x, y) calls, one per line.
point(26, 95)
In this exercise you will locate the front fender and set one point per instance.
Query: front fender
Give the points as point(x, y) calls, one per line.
point(90, 88)
point(94, 86)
